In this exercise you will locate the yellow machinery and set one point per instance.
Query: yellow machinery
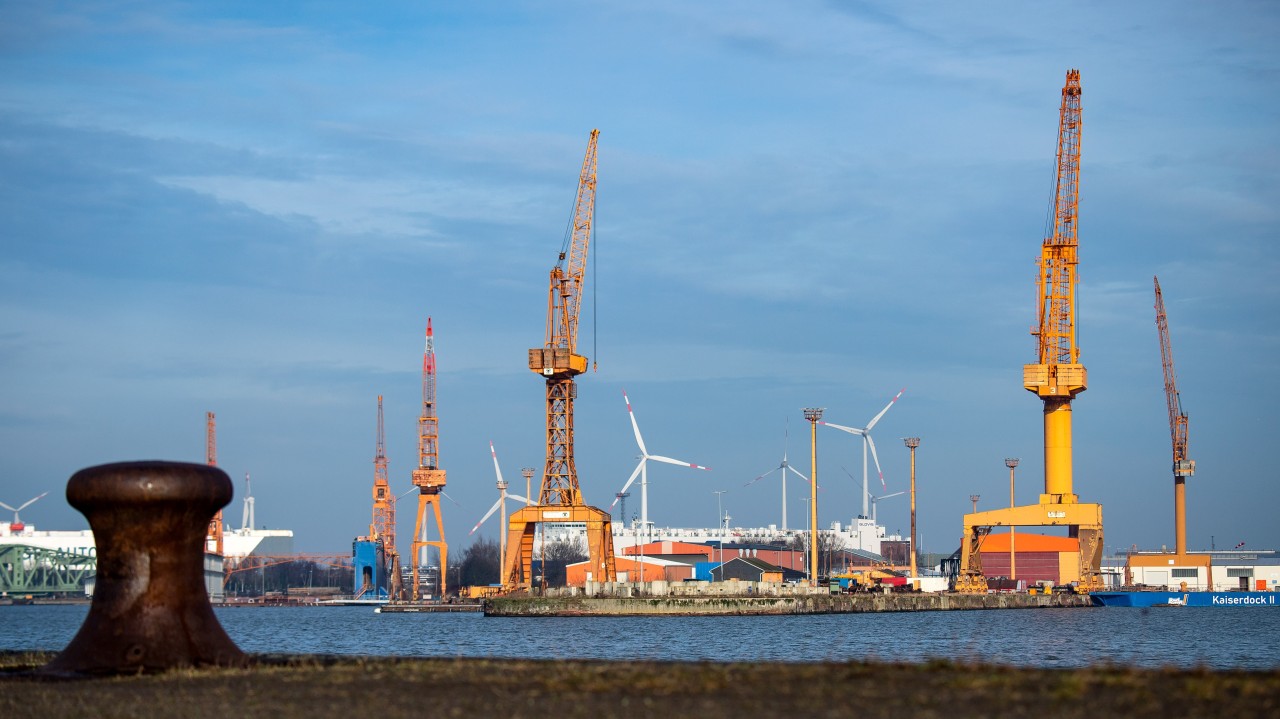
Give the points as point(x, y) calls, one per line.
point(384, 510)
point(428, 477)
point(560, 499)
point(1056, 378)
point(213, 541)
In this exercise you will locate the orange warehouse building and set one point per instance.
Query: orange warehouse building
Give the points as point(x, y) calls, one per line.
point(652, 570)
point(1038, 557)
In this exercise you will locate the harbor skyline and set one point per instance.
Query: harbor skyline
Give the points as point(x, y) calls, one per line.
point(253, 211)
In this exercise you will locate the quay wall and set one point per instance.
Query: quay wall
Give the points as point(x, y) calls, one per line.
point(569, 606)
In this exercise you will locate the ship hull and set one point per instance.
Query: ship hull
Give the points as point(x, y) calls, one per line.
point(1186, 599)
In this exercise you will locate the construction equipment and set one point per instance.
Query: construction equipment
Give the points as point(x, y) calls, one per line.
point(377, 551)
point(213, 540)
point(1056, 378)
point(428, 477)
point(560, 498)
point(1182, 466)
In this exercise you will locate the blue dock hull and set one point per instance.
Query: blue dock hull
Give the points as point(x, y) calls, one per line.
point(1187, 599)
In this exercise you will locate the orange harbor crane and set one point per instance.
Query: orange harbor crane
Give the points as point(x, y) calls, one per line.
point(1056, 377)
point(384, 510)
point(560, 499)
point(1183, 467)
point(213, 540)
point(428, 477)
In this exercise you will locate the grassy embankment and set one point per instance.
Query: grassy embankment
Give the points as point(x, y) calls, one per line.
point(322, 687)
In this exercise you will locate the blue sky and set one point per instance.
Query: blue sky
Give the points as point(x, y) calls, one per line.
point(252, 209)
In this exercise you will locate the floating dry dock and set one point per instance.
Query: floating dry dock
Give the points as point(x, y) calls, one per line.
point(582, 606)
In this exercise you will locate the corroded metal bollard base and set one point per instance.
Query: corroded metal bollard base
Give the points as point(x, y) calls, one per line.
point(150, 608)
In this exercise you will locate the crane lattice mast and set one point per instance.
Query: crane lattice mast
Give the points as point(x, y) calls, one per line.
point(559, 362)
point(428, 477)
point(1056, 377)
point(1183, 467)
point(384, 508)
point(213, 540)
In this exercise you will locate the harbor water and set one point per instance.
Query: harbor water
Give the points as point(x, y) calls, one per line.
point(1220, 638)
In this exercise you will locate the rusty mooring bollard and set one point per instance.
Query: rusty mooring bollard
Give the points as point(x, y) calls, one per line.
point(150, 609)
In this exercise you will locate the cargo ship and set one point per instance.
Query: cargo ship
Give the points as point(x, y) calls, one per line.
point(1186, 599)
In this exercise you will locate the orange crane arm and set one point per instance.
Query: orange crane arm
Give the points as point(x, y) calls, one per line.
point(429, 423)
point(1056, 328)
point(564, 300)
point(1177, 418)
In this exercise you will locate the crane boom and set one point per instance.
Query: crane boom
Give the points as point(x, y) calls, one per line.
point(564, 302)
point(1058, 260)
point(1182, 466)
point(1177, 417)
point(214, 539)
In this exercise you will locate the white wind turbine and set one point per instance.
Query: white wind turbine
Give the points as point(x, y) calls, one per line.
point(502, 502)
point(865, 434)
point(641, 469)
point(785, 467)
point(502, 498)
point(24, 505)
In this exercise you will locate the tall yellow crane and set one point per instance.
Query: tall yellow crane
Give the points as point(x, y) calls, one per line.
point(383, 526)
point(560, 498)
point(1182, 466)
point(214, 538)
point(1056, 378)
point(429, 478)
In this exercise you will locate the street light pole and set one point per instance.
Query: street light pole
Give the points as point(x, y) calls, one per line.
point(720, 529)
point(813, 414)
point(528, 485)
point(1011, 462)
point(912, 443)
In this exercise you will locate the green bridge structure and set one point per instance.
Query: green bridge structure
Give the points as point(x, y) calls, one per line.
point(40, 571)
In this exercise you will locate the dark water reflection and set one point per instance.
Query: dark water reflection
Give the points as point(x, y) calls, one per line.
point(1224, 637)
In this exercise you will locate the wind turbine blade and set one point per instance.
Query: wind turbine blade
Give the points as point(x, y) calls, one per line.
point(451, 499)
point(668, 460)
point(634, 426)
point(766, 474)
point(11, 509)
point(850, 430)
point(875, 419)
point(635, 473)
point(496, 469)
point(30, 502)
point(798, 473)
point(871, 443)
point(517, 497)
point(488, 514)
point(886, 496)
